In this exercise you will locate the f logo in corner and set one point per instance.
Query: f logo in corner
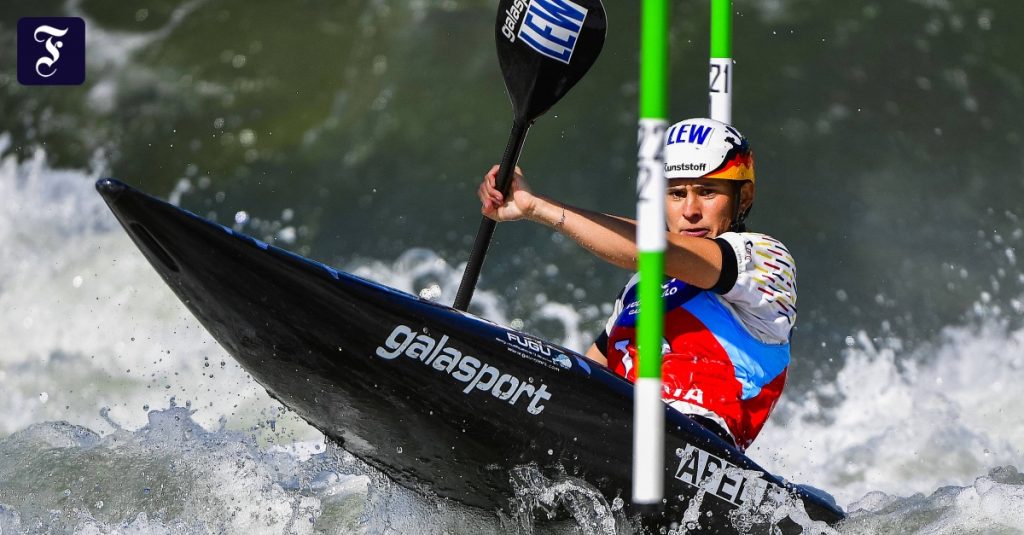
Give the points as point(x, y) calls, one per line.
point(51, 51)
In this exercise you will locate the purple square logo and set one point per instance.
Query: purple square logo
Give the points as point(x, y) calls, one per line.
point(51, 51)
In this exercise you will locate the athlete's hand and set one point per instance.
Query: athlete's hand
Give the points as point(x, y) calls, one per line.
point(518, 204)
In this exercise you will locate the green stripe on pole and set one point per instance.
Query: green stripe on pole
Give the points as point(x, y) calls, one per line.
point(721, 28)
point(652, 313)
point(653, 105)
point(654, 60)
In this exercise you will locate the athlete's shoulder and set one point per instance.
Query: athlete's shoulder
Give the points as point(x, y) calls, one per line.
point(764, 295)
point(754, 248)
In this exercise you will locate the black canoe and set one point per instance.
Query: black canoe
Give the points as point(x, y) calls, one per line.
point(437, 399)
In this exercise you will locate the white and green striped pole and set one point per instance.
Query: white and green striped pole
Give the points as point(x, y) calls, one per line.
point(720, 83)
point(648, 409)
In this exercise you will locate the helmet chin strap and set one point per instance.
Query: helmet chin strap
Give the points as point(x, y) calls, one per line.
point(739, 220)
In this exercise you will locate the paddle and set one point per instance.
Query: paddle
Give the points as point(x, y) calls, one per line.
point(544, 48)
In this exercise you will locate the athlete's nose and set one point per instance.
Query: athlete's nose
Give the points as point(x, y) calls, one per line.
point(692, 208)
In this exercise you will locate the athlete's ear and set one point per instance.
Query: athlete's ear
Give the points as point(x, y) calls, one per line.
point(746, 196)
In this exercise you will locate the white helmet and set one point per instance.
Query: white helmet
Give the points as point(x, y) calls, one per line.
point(706, 148)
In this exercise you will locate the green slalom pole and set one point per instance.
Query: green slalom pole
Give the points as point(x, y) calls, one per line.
point(648, 408)
point(720, 84)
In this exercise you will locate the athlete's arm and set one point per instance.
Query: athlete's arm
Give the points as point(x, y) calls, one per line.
point(697, 261)
point(594, 354)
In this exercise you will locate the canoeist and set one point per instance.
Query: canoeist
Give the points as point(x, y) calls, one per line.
point(730, 294)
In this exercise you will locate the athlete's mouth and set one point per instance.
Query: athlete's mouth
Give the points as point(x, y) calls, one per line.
point(695, 232)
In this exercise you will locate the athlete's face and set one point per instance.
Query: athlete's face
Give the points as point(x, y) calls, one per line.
point(704, 207)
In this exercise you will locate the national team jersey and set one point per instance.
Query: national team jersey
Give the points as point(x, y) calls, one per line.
point(726, 349)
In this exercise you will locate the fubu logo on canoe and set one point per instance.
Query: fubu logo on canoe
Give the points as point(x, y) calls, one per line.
point(477, 375)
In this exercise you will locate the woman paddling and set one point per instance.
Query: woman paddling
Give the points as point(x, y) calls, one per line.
point(730, 295)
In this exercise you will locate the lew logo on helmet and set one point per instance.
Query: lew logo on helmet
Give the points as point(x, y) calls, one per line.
point(550, 27)
point(688, 133)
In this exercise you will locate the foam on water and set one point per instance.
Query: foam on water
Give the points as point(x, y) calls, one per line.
point(86, 324)
point(173, 476)
point(911, 441)
point(895, 424)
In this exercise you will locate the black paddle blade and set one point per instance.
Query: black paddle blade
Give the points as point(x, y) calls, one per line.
point(545, 47)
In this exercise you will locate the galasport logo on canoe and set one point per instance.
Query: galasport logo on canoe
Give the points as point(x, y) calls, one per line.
point(719, 477)
point(478, 375)
point(550, 27)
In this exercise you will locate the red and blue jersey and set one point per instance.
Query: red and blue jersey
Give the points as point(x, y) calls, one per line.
point(726, 350)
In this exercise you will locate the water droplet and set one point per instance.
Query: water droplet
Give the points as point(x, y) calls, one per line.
point(246, 137)
point(399, 449)
point(431, 292)
point(43, 397)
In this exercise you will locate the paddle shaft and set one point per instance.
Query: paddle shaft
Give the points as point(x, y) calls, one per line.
point(483, 236)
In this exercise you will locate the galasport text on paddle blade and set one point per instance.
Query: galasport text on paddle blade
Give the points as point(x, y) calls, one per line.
point(545, 47)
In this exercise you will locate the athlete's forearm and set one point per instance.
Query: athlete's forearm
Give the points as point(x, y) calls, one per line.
point(697, 261)
point(613, 239)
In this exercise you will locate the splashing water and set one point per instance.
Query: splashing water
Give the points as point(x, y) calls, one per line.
point(921, 425)
point(173, 476)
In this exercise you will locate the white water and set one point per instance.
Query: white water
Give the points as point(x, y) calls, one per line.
point(86, 324)
point(92, 337)
point(929, 427)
